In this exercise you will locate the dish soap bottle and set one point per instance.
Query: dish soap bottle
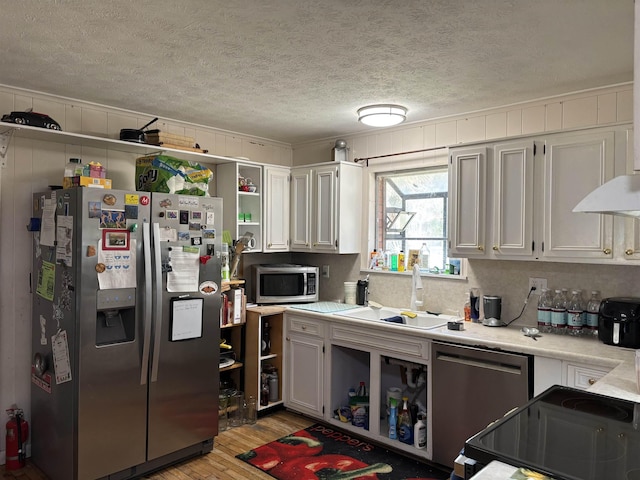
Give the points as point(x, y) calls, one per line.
point(405, 428)
point(393, 416)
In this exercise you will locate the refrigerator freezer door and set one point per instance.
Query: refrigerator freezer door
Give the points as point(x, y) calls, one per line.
point(94, 424)
point(183, 388)
point(111, 398)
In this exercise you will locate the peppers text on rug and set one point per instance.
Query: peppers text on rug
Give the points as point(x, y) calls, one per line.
point(324, 453)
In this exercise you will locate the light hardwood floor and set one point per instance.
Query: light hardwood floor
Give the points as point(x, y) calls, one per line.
point(219, 464)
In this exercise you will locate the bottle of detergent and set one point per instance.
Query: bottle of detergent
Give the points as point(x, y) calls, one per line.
point(420, 432)
point(405, 428)
point(393, 415)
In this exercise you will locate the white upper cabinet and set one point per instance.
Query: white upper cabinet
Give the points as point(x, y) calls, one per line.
point(575, 165)
point(531, 187)
point(276, 209)
point(326, 208)
point(301, 209)
point(467, 191)
point(513, 211)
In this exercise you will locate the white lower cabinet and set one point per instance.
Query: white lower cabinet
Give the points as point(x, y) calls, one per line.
point(553, 371)
point(323, 360)
point(385, 362)
point(304, 365)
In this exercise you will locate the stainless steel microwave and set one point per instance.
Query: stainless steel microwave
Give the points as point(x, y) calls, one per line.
point(285, 283)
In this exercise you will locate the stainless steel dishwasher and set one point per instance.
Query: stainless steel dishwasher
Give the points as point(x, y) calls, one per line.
point(471, 387)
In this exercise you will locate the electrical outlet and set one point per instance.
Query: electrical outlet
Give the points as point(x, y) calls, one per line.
point(539, 283)
point(325, 271)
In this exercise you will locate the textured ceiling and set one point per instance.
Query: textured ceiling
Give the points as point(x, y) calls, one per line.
point(297, 70)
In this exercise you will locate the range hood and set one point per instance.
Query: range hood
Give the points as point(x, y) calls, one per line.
point(621, 195)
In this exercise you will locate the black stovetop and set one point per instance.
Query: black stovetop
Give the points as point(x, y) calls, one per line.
point(567, 434)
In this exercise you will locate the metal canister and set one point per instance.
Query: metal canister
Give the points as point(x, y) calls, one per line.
point(273, 387)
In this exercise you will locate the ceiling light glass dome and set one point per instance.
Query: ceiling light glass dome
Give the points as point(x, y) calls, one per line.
point(382, 115)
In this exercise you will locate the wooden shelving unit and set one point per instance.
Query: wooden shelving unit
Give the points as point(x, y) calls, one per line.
point(254, 361)
point(233, 333)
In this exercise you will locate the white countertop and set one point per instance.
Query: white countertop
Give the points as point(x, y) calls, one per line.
point(619, 382)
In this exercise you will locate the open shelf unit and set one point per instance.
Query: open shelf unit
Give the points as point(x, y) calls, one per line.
point(254, 360)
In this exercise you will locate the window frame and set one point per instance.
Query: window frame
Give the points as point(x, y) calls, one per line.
point(434, 158)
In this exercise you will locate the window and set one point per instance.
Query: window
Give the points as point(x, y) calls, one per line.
point(411, 209)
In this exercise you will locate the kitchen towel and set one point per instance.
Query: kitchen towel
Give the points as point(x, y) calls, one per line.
point(321, 452)
point(325, 307)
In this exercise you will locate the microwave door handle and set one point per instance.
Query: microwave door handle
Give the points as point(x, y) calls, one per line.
point(305, 287)
point(157, 311)
point(146, 335)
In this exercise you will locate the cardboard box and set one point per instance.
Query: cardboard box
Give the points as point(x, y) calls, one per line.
point(69, 182)
point(162, 173)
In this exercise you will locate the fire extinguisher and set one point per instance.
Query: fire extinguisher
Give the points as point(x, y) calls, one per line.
point(17, 435)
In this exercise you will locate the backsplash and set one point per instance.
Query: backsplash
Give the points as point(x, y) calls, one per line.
point(509, 279)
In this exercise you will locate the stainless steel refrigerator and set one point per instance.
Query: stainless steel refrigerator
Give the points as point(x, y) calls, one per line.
point(126, 331)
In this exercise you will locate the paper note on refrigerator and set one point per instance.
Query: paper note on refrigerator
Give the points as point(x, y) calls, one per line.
point(186, 318)
point(64, 240)
point(119, 267)
point(61, 364)
point(185, 271)
point(48, 222)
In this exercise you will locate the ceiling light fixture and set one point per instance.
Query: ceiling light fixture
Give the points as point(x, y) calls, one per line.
point(382, 115)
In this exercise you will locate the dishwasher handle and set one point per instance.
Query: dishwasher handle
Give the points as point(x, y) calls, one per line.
point(480, 363)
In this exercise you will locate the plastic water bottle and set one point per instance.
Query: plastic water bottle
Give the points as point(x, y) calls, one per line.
point(559, 313)
point(593, 311)
point(574, 314)
point(424, 258)
point(73, 168)
point(544, 311)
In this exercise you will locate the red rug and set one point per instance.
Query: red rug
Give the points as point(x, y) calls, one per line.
point(324, 453)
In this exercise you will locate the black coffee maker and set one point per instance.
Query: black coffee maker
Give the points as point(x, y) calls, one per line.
point(362, 292)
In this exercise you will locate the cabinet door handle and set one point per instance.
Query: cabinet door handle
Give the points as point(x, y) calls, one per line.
point(269, 245)
point(304, 327)
point(591, 381)
point(628, 251)
point(288, 339)
point(495, 248)
point(481, 248)
point(607, 251)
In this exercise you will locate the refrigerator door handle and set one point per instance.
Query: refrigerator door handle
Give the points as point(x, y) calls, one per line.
point(146, 342)
point(157, 311)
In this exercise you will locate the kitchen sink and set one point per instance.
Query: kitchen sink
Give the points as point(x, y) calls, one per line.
point(422, 319)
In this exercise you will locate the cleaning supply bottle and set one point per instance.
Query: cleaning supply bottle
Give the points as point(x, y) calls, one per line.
point(362, 390)
point(405, 428)
point(401, 261)
point(420, 432)
point(393, 415)
point(467, 309)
